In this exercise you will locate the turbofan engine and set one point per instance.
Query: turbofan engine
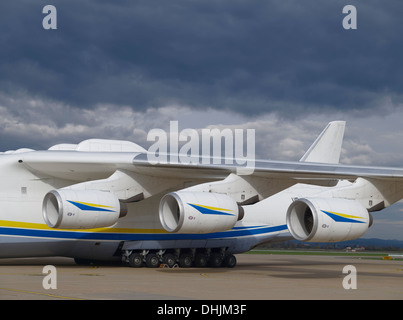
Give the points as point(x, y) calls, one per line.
point(198, 212)
point(327, 219)
point(81, 209)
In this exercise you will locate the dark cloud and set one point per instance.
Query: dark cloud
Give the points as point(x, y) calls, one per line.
point(116, 69)
point(249, 56)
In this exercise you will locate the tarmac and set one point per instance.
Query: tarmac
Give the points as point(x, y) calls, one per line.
point(256, 277)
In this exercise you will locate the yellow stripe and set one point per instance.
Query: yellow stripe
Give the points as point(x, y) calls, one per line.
point(93, 204)
point(40, 226)
point(346, 215)
point(212, 208)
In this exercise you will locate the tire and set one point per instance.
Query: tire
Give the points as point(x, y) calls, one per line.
point(201, 260)
point(229, 261)
point(136, 260)
point(215, 260)
point(185, 260)
point(152, 260)
point(169, 259)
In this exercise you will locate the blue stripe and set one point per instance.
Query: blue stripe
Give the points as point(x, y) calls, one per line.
point(248, 227)
point(136, 236)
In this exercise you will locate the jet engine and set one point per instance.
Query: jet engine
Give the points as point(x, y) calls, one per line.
point(81, 209)
point(327, 219)
point(198, 212)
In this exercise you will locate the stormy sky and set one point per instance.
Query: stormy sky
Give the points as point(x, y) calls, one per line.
point(116, 69)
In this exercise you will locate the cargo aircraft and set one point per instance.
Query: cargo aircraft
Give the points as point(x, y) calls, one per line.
point(102, 200)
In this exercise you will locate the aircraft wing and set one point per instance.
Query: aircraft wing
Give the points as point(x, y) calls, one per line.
point(268, 169)
point(113, 176)
point(304, 170)
point(72, 165)
point(86, 166)
point(125, 168)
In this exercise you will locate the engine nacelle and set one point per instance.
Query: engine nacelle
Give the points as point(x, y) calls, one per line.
point(198, 212)
point(81, 209)
point(327, 219)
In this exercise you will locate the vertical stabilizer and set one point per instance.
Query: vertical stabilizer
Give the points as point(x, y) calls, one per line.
point(327, 147)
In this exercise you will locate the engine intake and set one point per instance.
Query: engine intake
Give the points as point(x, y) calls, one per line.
point(198, 212)
point(81, 209)
point(327, 219)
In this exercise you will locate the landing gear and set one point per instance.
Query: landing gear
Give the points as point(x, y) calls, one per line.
point(169, 260)
point(136, 260)
point(184, 258)
point(201, 260)
point(229, 261)
point(152, 260)
point(215, 260)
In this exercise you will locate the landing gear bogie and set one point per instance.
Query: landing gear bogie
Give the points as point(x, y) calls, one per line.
point(184, 258)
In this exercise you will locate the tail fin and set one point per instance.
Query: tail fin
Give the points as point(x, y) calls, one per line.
point(327, 147)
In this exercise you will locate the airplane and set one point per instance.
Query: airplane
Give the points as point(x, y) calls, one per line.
point(101, 200)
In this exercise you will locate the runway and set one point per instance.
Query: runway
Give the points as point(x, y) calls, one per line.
point(256, 277)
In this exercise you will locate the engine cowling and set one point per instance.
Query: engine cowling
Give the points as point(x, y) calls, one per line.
point(327, 219)
point(81, 209)
point(198, 212)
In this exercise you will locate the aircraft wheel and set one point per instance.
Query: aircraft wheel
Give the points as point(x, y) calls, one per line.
point(185, 260)
point(201, 260)
point(169, 259)
point(230, 261)
point(152, 260)
point(136, 260)
point(215, 260)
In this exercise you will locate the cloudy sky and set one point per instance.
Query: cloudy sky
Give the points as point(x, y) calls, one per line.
point(116, 69)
